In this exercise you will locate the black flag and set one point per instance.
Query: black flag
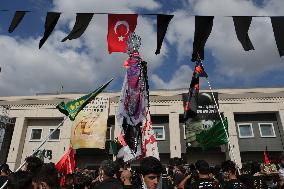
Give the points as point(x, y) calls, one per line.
point(81, 24)
point(50, 23)
point(162, 26)
point(242, 24)
point(278, 29)
point(19, 15)
point(203, 27)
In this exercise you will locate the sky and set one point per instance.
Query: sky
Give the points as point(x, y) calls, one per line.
point(83, 64)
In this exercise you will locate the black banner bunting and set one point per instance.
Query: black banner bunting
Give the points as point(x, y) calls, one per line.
point(203, 27)
point(50, 23)
point(242, 24)
point(19, 15)
point(278, 29)
point(81, 24)
point(162, 26)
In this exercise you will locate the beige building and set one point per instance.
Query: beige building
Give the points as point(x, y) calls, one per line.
point(255, 116)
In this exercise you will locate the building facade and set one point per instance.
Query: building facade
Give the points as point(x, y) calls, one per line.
point(255, 118)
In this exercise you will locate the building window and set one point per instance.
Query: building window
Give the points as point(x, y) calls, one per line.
point(266, 130)
point(245, 130)
point(108, 134)
point(55, 136)
point(36, 134)
point(159, 132)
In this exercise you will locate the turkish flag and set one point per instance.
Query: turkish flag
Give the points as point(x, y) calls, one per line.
point(266, 159)
point(66, 164)
point(120, 26)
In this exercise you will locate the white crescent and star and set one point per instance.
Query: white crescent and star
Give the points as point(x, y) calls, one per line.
point(118, 23)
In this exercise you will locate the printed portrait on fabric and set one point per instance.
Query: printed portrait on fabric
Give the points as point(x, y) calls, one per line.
point(90, 126)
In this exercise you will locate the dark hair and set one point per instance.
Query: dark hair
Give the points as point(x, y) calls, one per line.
point(5, 168)
point(175, 161)
point(82, 181)
point(20, 179)
point(150, 165)
point(228, 166)
point(49, 175)
point(109, 167)
point(34, 164)
point(119, 163)
point(202, 166)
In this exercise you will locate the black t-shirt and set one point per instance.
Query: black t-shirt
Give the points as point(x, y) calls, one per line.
point(178, 178)
point(3, 179)
point(129, 187)
point(110, 183)
point(204, 184)
point(253, 182)
point(234, 184)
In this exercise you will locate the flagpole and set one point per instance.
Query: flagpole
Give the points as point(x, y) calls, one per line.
point(222, 120)
point(35, 151)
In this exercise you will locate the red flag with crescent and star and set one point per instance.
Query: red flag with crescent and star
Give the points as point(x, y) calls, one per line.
point(120, 26)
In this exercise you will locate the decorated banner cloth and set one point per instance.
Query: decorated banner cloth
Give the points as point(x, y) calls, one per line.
point(134, 96)
point(149, 146)
point(90, 126)
point(214, 136)
point(134, 100)
point(127, 154)
point(191, 102)
point(206, 116)
point(72, 108)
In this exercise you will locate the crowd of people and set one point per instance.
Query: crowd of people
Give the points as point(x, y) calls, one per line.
point(151, 174)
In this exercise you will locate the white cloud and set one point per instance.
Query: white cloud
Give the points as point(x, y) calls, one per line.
point(84, 63)
point(180, 79)
point(81, 64)
point(230, 60)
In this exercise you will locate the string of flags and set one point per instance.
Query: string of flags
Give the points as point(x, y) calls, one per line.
point(121, 25)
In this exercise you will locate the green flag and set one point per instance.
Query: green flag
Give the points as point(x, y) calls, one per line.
point(214, 136)
point(72, 108)
point(114, 147)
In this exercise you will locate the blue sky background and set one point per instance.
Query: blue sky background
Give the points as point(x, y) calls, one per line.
point(81, 65)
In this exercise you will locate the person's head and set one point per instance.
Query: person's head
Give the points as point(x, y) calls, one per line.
point(47, 178)
point(229, 168)
point(202, 168)
point(151, 170)
point(82, 181)
point(125, 177)
point(69, 180)
point(108, 169)
point(120, 164)
point(4, 170)
point(33, 164)
point(19, 180)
